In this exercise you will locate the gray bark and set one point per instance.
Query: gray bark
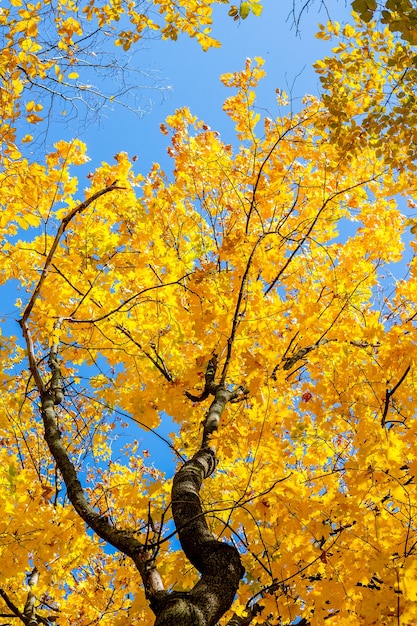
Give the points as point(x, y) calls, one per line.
point(218, 563)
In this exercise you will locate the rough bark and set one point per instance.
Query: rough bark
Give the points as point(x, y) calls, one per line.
point(218, 563)
point(51, 394)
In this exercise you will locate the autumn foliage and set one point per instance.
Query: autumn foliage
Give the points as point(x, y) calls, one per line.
point(272, 271)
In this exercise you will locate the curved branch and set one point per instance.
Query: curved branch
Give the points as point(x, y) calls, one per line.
point(304, 237)
point(128, 301)
point(122, 540)
point(51, 395)
point(218, 563)
point(12, 607)
point(62, 227)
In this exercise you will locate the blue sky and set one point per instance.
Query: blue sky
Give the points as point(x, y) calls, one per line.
point(193, 78)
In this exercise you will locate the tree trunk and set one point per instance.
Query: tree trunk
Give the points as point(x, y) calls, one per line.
point(218, 563)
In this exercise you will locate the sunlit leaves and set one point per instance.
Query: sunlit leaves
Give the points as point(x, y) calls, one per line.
point(399, 15)
point(275, 252)
point(369, 91)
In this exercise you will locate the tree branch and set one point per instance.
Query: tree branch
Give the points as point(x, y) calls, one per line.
point(304, 237)
point(12, 607)
point(122, 540)
point(52, 395)
point(218, 563)
point(388, 395)
point(237, 313)
point(29, 610)
point(210, 386)
point(62, 227)
point(158, 362)
point(252, 612)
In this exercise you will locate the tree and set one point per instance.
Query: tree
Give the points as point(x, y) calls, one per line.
point(231, 298)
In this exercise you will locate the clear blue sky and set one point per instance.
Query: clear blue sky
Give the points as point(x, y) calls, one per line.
point(194, 77)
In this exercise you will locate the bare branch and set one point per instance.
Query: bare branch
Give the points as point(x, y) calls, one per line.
point(158, 362)
point(388, 395)
point(12, 607)
point(237, 316)
point(304, 237)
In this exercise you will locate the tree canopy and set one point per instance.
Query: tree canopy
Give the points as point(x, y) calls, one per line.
point(253, 296)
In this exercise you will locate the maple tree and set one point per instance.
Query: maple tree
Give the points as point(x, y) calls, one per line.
point(225, 297)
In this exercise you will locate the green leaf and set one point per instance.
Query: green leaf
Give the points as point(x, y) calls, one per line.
point(244, 10)
point(365, 8)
